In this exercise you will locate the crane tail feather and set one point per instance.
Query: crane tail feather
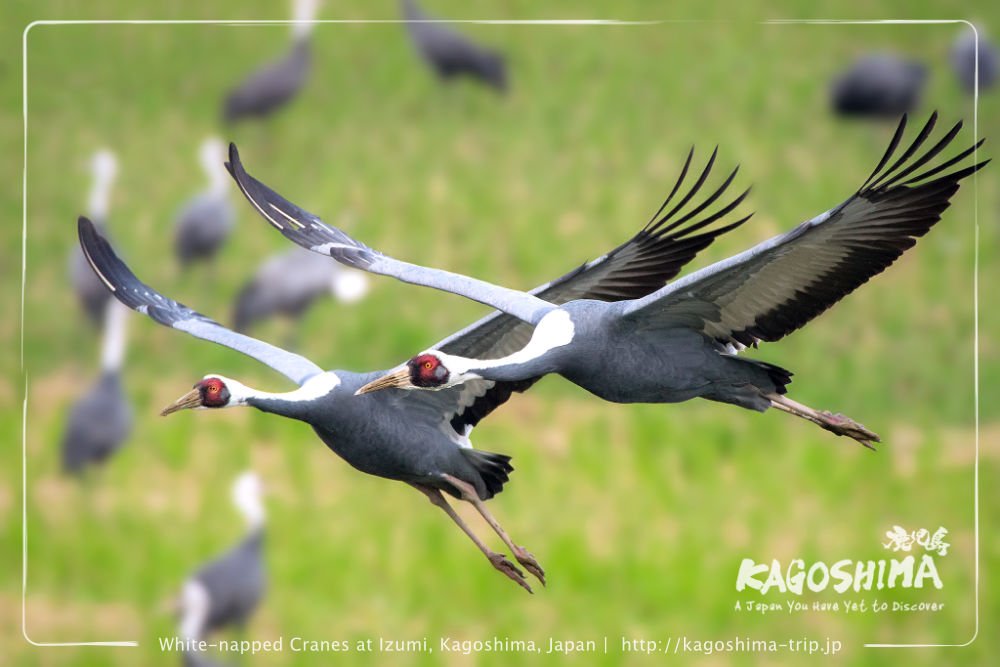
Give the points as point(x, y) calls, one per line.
point(494, 469)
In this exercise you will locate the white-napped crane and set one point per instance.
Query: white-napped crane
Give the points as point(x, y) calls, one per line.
point(290, 282)
point(422, 438)
point(226, 590)
point(451, 54)
point(205, 221)
point(878, 85)
point(101, 420)
point(682, 340)
point(276, 83)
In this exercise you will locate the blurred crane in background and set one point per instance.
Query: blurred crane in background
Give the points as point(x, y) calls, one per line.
point(290, 282)
point(205, 222)
point(451, 54)
point(101, 420)
point(878, 85)
point(90, 291)
point(227, 590)
point(963, 60)
point(272, 86)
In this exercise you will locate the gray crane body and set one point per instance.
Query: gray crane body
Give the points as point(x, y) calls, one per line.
point(98, 425)
point(202, 228)
point(625, 360)
point(234, 582)
point(271, 87)
point(388, 434)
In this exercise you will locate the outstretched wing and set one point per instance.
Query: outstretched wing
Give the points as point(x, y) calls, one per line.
point(781, 284)
point(138, 296)
point(638, 267)
point(634, 269)
point(310, 232)
point(643, 264)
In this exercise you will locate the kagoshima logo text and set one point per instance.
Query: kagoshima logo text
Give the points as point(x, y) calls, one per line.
point(916, 569)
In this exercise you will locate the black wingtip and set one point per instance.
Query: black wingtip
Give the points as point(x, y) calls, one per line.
point(680, 179)
point(234, 160)
point(86, 230)
point(97, 251)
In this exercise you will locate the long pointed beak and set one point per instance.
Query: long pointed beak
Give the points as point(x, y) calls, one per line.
point(192, 399)
point(399, 379)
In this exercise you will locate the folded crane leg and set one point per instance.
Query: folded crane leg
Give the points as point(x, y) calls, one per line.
point(520, 553)
point(498, 560)
point(835, 423)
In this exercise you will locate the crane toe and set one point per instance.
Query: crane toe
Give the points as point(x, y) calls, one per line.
point(527, 560)
point(844, 425)
point(501, 563)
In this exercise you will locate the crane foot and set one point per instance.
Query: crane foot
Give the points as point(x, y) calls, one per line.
point(527, 560)
point(844, 425)
point(501, 563)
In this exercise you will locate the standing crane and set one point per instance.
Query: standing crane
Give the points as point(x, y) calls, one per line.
point(276, 83)
point(290, 282)
point(680, 341)
point(227, 590)
point(422, 438)
point(101, 420)
point(971, 50)
point(878, 85)
point(206, 221)
point(449, 53)
point(91, 293)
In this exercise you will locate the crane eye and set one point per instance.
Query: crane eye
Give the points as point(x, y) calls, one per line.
point(428, 365)
point(213, 388)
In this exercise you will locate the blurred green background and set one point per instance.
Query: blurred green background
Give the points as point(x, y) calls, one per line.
point(640, 514)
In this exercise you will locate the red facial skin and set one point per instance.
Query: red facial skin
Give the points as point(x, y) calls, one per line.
point(426, 371)
point(214, 393)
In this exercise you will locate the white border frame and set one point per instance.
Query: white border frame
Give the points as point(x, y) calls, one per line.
point(24, 249)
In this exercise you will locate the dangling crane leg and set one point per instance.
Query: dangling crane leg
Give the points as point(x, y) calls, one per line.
point(520, 553)
point(498, 560)
point(835, 423)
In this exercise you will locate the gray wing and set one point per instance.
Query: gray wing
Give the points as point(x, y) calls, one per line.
point(128, 289)
point(310, 232)
point(641, 265)
point(781, 284)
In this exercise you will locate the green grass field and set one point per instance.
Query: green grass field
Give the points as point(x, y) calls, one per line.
point(640, 514)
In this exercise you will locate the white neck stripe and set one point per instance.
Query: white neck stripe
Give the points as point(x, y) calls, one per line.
point(315, 387)
point(554, 330)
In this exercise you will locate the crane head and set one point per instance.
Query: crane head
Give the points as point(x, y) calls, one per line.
point(424, 371)
point(210, 392)
point(428, 371)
